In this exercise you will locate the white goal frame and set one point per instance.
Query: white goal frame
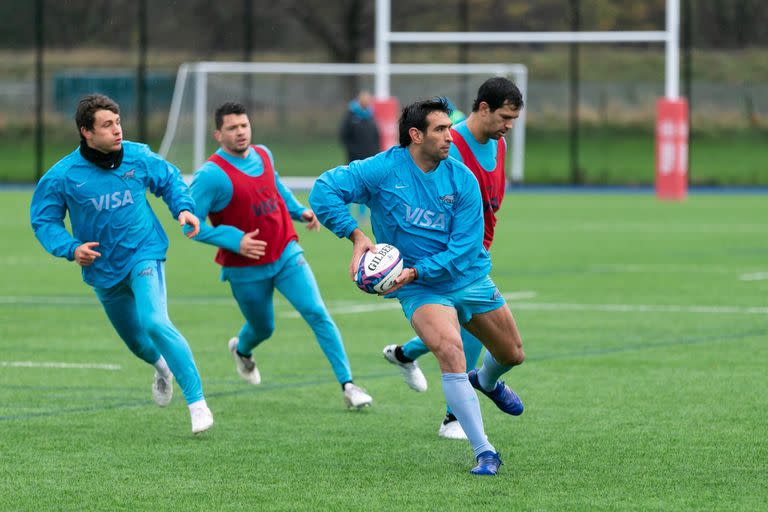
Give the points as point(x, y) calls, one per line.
point(670, 37)
point(199, 71)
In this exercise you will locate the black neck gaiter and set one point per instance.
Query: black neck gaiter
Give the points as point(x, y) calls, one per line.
point(104, 160)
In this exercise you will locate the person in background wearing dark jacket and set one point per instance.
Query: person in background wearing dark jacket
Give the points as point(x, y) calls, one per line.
point(358, 131)
point(360, 136)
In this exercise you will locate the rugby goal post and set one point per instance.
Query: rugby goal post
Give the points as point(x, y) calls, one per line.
point(671, 111)
point(200, 87)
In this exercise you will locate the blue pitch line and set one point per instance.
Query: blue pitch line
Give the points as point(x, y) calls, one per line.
point(14, 187)
point(637, 347)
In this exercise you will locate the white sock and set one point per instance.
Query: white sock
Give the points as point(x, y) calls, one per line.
point(462, 399)
point(200, 404)
point(489, 373)
point(162, 367)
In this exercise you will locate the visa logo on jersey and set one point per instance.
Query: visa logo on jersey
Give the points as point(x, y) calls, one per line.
point(265, 207)
point(424, 218)
point(112, 201)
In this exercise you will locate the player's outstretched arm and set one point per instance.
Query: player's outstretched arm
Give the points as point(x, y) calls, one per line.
point(336, 188)
point(211, 191)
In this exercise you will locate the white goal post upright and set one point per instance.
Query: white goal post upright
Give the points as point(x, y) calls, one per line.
point(200, 71)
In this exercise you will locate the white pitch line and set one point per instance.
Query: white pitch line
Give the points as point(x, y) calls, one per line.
point(352, 309)
point(642, 308)
point(641, 227)
point(75, 300)
point(660, 268)
point(78, 366)
point(607, 308)
point(347, 308)
point(519, 295)
point(756, 276)
point(642, 268)
point(44, 299)
point(217, 301)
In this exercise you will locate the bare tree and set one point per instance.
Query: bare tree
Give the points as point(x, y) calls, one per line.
point(344, 27)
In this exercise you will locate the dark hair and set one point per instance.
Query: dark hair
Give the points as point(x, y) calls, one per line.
point(89, 105)
point(415, 116)
point(496, 91)
point(226, 109)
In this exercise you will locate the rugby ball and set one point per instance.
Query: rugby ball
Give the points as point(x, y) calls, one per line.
point(377, 271)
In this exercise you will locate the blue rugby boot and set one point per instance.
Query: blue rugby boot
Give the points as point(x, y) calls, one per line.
point(487, 464)
point(504, 398)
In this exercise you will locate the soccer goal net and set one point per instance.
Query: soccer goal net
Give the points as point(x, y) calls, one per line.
point(296, 108)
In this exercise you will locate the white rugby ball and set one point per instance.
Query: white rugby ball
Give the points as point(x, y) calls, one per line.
point(377, 271)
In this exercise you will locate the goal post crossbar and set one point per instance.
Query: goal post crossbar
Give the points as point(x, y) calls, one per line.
point(199, 71)
point(312, 68)
point(529, 37)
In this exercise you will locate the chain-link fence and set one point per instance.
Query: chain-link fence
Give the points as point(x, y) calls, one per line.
point(103, 46)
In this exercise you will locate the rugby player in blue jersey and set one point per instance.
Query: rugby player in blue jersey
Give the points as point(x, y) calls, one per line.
point(478, 142)
point(429, 207)
point(119, 242)
point(251, 213)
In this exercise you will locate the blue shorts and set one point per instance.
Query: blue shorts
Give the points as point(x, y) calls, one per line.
point(479, 297)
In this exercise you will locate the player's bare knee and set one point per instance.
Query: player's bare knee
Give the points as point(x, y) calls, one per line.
point(518, 357)
point(448, 350)
point(449, 353)
point(513, 357)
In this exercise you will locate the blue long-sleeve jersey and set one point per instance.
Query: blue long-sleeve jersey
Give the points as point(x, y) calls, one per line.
point(108, 206)
point(212, 191)
point(434, 218)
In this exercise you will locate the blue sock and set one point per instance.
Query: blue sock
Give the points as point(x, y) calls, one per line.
point(490, 372)
point(462, 400)
point(415, 348)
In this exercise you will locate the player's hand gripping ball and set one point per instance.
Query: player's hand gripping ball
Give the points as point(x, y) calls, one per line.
point(377, 271)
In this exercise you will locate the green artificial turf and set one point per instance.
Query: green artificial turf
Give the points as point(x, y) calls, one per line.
point(644, 324)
